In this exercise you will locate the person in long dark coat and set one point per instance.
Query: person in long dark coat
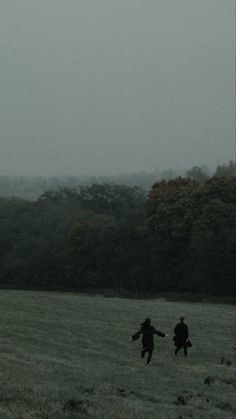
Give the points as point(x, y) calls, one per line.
point(147, 331)
point(181, 336)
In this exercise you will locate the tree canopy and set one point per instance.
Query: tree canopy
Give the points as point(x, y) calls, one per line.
point(179, 237)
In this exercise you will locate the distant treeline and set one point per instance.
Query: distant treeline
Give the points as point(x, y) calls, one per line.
point(177, 237)
point(31, 187)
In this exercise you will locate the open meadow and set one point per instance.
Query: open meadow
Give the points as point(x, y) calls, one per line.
point(65, 355)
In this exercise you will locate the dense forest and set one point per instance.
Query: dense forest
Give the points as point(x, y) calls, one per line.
point(177, 237)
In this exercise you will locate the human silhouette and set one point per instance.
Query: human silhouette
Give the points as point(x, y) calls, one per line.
point(147, 331)
point(181, 337)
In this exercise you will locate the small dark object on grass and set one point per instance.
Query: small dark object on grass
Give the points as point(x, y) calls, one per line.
point(209, 380)
point(121, 390)
point(222, 360)
point(228, 363)
point(89, 390)
point(73, 404)
point(181, 400)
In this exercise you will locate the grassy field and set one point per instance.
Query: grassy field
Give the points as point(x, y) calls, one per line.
point(69, 356)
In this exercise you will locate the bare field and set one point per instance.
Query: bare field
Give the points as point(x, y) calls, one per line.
point(65, 355)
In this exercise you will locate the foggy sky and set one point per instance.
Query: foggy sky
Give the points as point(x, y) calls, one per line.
point(112, 86)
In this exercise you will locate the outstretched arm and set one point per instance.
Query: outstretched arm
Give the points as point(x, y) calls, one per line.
point(136, 335)
point(157, 332)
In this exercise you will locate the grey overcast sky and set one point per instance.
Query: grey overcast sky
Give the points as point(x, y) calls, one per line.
point(115, 86)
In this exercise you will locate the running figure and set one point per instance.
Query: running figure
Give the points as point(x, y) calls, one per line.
point(147, 331)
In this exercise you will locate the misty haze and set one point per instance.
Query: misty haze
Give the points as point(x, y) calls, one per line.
point(109, 87)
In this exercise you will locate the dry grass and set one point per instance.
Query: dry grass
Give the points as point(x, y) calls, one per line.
point(69, 356)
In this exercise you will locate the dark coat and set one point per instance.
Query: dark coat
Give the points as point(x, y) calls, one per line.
point(181, 334)
point(147, 336)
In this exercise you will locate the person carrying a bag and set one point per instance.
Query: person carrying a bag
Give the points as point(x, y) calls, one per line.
point(181, 339)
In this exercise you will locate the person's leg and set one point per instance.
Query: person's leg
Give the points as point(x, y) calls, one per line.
point(185, 350)
point(177, 349)
point(149, 356)
point(143, 353)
